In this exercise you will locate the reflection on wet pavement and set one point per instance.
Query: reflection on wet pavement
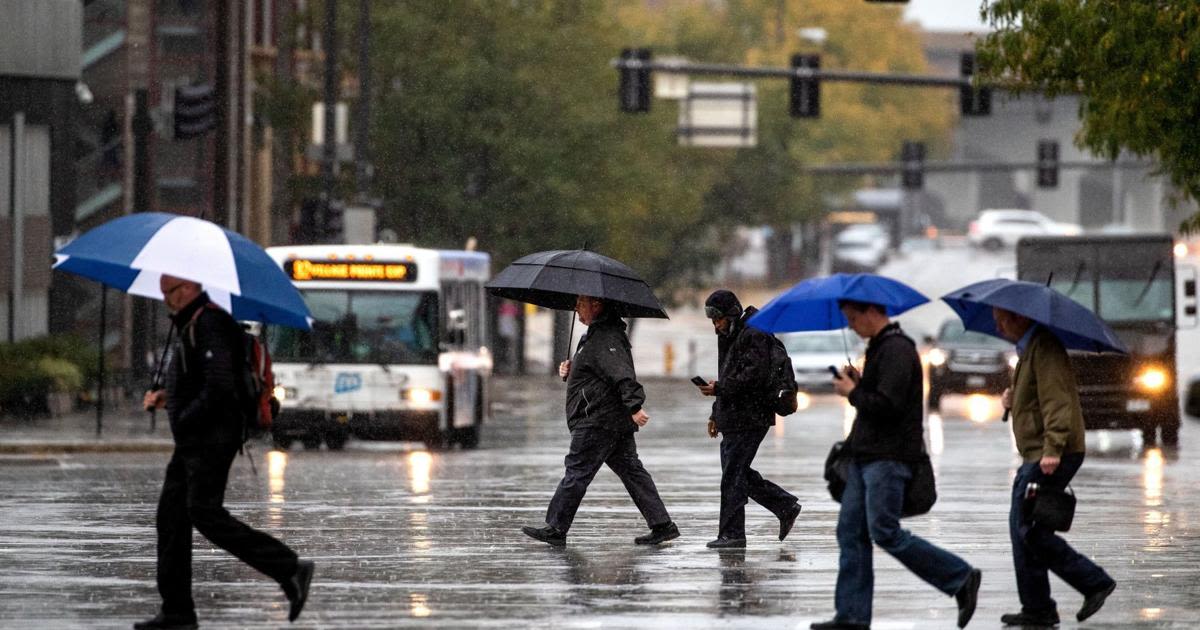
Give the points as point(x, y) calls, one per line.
point(404, 537)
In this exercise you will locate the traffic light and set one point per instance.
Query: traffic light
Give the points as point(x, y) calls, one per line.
point(912, 177)
point(633, 91)
point(1047, 164)
point(195, 110)
point(805, 96)
point(335, 222)
point(304, 232)
point(973, 101)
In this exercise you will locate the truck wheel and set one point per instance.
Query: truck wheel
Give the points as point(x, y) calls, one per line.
point(311, 442)
point(993, 244)
point(1170, 436)
point(336, 440)
point(1149, 436)
point(281, 442)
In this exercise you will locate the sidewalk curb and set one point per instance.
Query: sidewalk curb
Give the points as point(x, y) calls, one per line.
point(33, 447)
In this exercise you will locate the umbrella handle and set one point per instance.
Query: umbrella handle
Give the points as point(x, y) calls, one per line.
point(1005, 417)
point(570, 339)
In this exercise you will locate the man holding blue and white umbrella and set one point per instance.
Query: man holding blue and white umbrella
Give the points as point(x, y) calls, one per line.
point(202, 404)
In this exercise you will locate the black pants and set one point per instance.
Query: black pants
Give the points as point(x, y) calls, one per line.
point(192, 496)
point(590, 448)
point(739, 481)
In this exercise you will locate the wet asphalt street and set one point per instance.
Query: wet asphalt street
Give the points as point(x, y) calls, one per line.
point(407, 538)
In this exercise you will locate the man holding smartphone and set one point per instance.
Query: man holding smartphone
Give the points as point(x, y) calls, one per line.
point(742, 414)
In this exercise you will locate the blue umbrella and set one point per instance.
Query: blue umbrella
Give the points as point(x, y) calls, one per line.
point(131, 254)
point(1075, 326)
point(813, 304)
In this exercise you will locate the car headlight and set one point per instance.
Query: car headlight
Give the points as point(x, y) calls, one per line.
point(1013, 359)
point(1152, 379)
point(936, 357)
point(282, 393)
point(421, 395)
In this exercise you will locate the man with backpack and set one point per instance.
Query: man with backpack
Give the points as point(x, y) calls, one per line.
point(746, 394)
point(207, 410)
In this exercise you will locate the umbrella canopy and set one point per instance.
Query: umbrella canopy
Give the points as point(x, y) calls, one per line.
point(1074, 325)
point(813, 304)
point(553, 279)
point(131, 254)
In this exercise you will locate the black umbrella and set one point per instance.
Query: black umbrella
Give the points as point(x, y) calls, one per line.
point(554, 279)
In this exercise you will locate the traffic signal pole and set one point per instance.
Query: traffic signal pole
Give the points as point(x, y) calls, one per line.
point(820, 74)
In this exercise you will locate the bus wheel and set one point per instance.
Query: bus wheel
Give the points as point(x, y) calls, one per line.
point(1170, 436)
point(336, 440)
point(1149, 436)
point(311, 442)
point(282, 443)
point(469, 437)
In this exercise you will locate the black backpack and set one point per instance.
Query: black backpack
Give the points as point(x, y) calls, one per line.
point(781, 379)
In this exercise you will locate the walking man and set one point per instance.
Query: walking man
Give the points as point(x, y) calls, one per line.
point(1048, 425)
point(887, 434)
point(201, 399)
point(604, 410)
point(742, 414)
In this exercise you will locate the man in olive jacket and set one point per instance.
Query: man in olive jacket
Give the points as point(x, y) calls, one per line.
point(1048, 425)
point(604, 410)
point(206, 423)
point(742, 414)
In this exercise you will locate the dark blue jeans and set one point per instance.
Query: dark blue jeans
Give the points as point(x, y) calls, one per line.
point(870, 512)
point(1037, 549)
point(739, 482)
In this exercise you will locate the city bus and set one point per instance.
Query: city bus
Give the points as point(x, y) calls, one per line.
point(398, 348)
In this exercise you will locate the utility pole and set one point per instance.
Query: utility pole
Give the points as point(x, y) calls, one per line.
point(363, 171)
point(329, 148)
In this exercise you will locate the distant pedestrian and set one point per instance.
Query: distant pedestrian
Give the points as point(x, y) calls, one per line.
point(604, 410)
point(201, 399)
point(887, 435)
point(1048, 425)
point(742, 414)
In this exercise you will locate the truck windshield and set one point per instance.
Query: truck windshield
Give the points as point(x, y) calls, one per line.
point(1136, 299)
point(381, 327)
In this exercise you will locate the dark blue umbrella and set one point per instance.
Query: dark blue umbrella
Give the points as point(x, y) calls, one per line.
point(1075, 326)
point(813, 304)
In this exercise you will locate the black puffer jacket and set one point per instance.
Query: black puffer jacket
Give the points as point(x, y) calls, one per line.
point(201, 386)
point(888, 422)
point(602, 388)
point(743, 367)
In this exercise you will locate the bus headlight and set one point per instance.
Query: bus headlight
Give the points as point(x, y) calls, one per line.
point(421, 395)
point(936, 357)
point(1152, 379)
point(282, 393)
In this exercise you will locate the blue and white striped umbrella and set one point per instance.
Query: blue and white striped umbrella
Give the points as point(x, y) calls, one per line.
point(131, 254)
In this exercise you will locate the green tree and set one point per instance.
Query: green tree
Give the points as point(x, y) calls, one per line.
point(1134, 64)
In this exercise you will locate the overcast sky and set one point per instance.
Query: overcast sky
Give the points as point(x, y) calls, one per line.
point(946, 14)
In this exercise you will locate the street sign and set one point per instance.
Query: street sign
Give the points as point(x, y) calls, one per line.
point(719, 115)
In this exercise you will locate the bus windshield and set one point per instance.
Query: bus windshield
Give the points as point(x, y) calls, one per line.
point(381, 327)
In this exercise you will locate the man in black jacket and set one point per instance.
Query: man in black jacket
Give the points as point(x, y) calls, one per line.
point(604, 410)
point(742, 414)
point(202, 402)
point(887, 434)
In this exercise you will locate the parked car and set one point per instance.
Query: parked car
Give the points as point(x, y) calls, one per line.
point(813, 352)
point(860, 248)
point(967, 362)
point(995, 229)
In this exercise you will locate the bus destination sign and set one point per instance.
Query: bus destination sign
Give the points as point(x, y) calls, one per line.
point(303, 269)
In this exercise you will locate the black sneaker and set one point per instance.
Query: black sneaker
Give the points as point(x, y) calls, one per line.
point(1093, 602)
point(660, 534)
point(787, 520)
point(834, 624)
point(727, 543)
point(967, 596)
point(164, 622)
point(1031, 620)
point(547, 534)
point(296, 588)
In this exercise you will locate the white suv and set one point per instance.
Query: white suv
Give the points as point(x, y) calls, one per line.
point(995, 229)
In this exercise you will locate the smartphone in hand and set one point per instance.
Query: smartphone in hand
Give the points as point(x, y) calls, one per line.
point(699, 381)
point(834, 372)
